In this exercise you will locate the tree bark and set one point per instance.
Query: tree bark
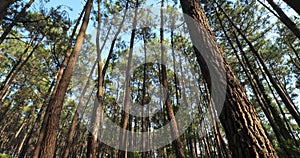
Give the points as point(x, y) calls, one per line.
point(177, 144)
point(48, 145)
point(59, 74)
point(271, 113)
point(244, 131)
point(262, 94)
point(285, 97)
point(3, 7)
point(125, 114)
point(97, 112)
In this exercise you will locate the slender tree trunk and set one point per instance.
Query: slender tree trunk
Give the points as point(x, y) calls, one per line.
point(125, 114)
point(110, 54)
point(48, 145)
point(71, 131)
point(72, 128)
point(97, 112)
point(34, 128)
point(13, 23)
point(75, 117)
point(285, 98)
point(59, 75)
point(245, 134)
point(16, 68)
point(283, 113)
point(4, 90)
point(177, 144)
point(285, 19)
point(213, 116)
point(294, 50)
point(270, 111)
point(145, 83)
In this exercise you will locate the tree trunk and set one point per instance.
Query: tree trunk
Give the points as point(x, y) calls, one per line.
point(285, 97)
point(13, 23)
point(59, 76)
point(285, 19)
point(125, 114)
point(271, 113)
point(97, 112)
point(177, 144)
point(262, 94)
point(111, 49)
point(48, 145)
point(295, 4)
point(4, 90)
point(245, 134)
point(71, 131)
point(16, 69)
point(3, 7)
point(145, 82)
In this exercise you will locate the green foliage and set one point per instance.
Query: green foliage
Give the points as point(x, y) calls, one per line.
point(5, 156)
point(30, 90)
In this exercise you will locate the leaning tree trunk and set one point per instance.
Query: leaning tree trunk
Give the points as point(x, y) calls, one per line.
point(125, 115)
point(16, 18)
point(16, 69)
point(48, 145)
point(245, 134)
point(295, 4)
point(59, 74)
point(3, 7)
point(285, 19)
point(285, 97)
point(269, 110)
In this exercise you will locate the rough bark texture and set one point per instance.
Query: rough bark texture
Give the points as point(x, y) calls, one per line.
point(48, 145)
point(262, 97)
point(281, 92)
point(59, 76)
point(244, 131)
point(271, 113)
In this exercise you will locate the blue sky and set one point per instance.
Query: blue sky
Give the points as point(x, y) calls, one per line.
point(77, 5)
